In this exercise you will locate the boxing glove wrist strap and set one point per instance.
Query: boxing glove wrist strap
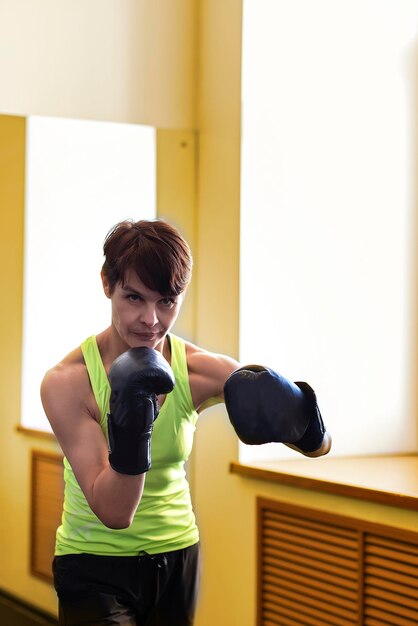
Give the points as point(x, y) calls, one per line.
point(313, 436)
point(129, 452)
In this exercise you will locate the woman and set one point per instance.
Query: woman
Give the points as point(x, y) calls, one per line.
point(127, 551)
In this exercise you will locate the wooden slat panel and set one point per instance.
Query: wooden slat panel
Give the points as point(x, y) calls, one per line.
point(310, 572)
point(344, 560)
point(394, 607)
point(381, 620)
point(376, 594)
point(385, 619)
point(305, 615)
point(391, 565)
point(308, 601)
point(317, 569)
point(391, 581)
point(317, 593)
point(273, 619)
point(47, 498)
point(344, 594)
point(394, 554)
point(312, 526)
point(394, 544)
point(306, 574)
point(382, 585)
point(327, 570)
point(387, 574)
point(304, 537)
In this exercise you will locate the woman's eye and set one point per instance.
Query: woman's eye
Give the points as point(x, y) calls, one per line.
point(133, 297)
point(167, 302)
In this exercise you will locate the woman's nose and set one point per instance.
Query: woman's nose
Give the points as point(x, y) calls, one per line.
point(148, 315)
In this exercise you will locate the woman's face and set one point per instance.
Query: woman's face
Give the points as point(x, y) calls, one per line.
point(141, 316)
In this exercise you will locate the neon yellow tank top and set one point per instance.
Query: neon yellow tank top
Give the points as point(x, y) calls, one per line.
point(164, 520)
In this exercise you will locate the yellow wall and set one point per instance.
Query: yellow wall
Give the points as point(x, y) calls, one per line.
point(225, 503)
point(15, 448)
point(176, 202)
point(117, 60)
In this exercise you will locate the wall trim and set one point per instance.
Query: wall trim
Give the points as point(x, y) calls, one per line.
point(22, 612)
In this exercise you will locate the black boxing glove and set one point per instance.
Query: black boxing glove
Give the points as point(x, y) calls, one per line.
point(264, 407)
point(136, 378)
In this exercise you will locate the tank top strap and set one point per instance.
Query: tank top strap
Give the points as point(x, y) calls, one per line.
point(181, 372)
point(100, 382)
point(98, 377)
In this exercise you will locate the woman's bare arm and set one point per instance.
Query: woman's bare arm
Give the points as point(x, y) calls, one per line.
point(208, 374)
point(69, 405)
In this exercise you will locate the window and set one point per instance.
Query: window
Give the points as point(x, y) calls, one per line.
point(82, 178)
point(328, 199)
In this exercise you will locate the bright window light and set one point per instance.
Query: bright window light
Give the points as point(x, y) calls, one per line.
point(82, 178)
point(328, 192)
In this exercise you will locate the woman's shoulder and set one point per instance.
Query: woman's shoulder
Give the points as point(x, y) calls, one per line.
point(65, 377)
point(208, 372)
point(198, 358)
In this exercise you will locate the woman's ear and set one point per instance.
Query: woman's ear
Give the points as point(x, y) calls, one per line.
point(106, 286)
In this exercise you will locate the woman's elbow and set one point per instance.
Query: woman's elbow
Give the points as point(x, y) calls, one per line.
point(117, 525)
point(115, 520)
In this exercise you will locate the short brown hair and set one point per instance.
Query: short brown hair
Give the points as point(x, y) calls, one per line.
point(154, 249)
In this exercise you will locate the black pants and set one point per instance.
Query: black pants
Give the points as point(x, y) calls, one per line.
point(143, 590)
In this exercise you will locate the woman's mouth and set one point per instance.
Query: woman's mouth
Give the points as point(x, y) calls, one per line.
point(146, 336)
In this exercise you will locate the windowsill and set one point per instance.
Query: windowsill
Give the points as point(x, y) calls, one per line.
point(390, 480)
point(33, 432)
